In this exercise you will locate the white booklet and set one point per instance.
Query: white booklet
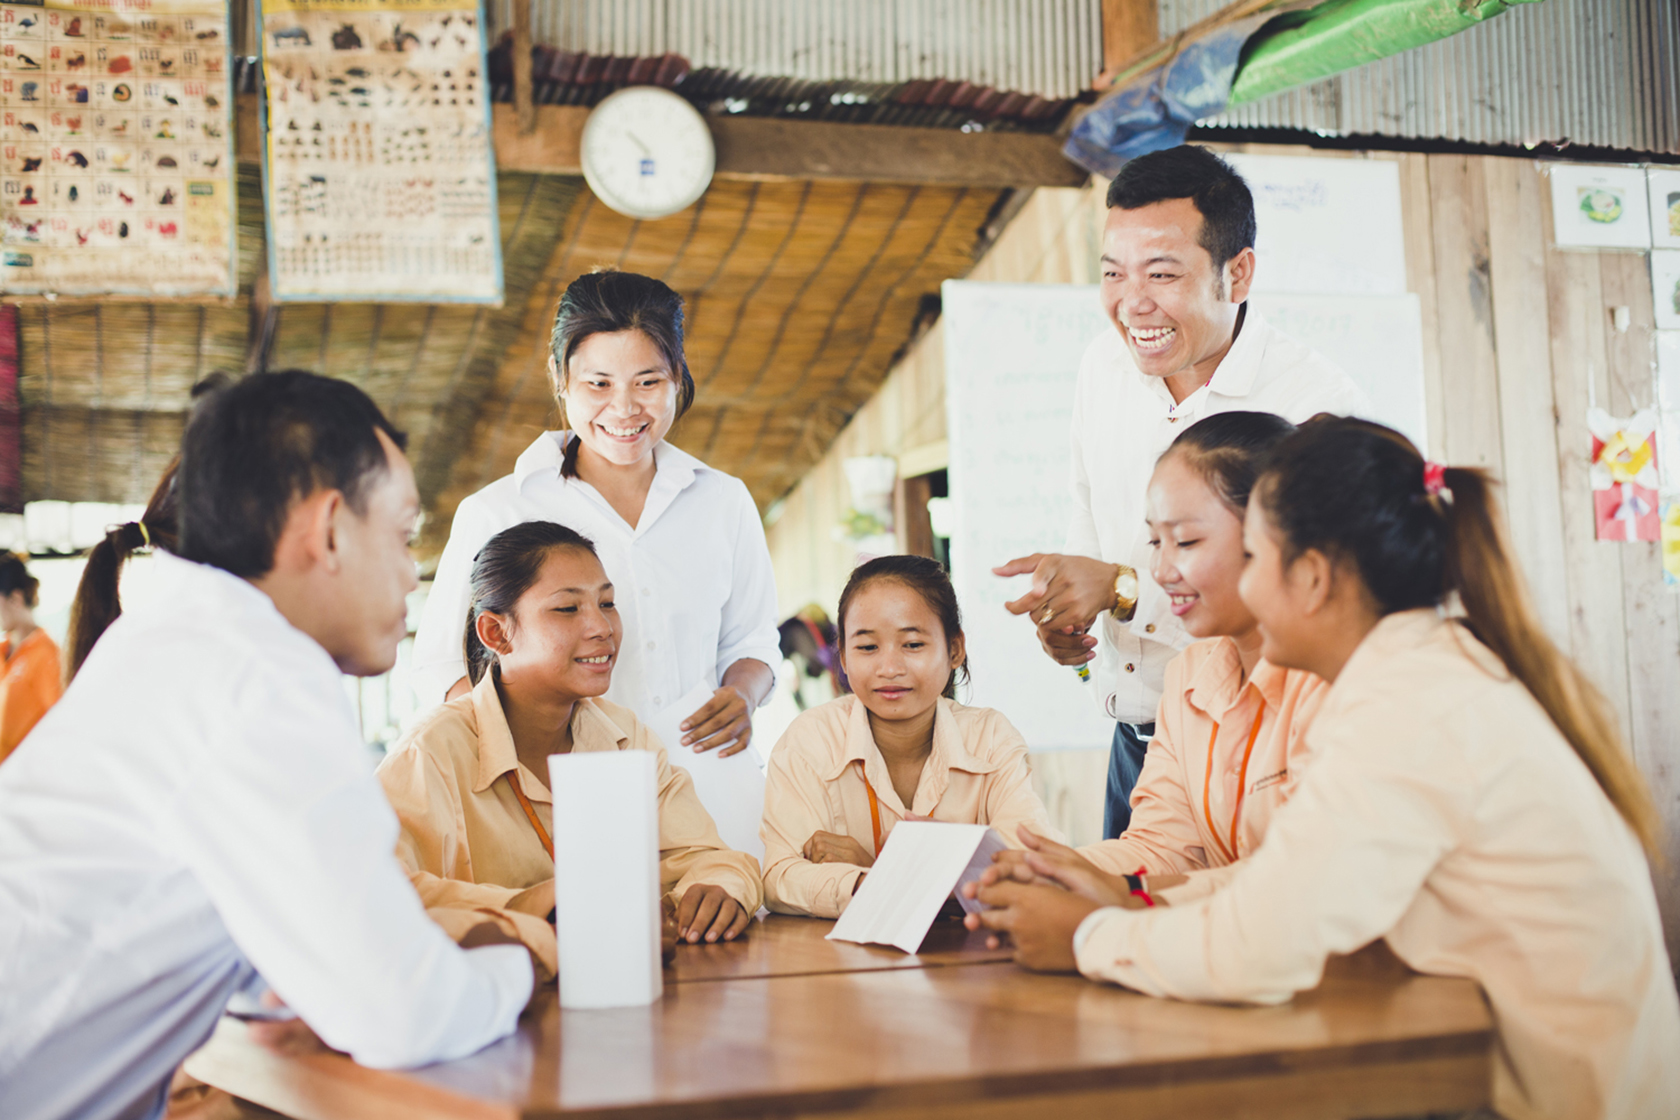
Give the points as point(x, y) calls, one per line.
point(731, 789)
point(920, 866)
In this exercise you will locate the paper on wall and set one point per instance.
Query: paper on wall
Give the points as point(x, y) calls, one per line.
point(731, 789)
point(918, 868)
point(606, 877)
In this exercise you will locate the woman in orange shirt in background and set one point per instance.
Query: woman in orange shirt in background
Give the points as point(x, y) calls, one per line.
point(31, 683)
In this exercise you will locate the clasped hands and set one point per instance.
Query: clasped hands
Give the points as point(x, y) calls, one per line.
point(1068, 594)
point(1039, 896)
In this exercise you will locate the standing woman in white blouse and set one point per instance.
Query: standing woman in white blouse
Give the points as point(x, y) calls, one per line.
point(681, 542)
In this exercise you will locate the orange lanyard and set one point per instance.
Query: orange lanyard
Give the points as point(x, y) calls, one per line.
point(530, 813)
point(1230, 853)
point(874, 807)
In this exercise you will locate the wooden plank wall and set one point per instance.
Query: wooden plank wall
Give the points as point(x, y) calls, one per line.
point(1519, 339)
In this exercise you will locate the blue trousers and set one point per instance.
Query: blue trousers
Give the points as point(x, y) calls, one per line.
point(1125, 763)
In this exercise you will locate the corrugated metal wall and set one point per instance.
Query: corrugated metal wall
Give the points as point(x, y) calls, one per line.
point(1052, 48)
point(1604, 73)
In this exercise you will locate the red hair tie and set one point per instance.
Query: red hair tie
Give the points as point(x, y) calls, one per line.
point(1434, 478)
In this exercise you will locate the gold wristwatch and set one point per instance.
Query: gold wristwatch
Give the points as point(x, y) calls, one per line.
point(1125, 594)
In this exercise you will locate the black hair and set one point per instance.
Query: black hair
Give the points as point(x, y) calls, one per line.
point(255, 446)
point(504, 569)
point(609, 301)
point(926, 578)
point(98, 603)
point(1227, 450)
point(1361, 495)
point(14, 576)
point(1218, 192)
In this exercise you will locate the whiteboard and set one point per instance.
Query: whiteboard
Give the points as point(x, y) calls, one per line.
point(1011, 359)
point(1012, 355)
point(1325, 225)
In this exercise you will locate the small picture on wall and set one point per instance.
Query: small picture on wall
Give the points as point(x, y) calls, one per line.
point(1665, 288)
point(1664, 184)
point(1598, 207)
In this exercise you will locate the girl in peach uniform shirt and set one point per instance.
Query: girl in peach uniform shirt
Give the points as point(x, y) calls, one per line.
point(846, 772)
point(1469, 801)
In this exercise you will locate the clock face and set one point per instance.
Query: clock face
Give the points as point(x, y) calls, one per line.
point(647, 153)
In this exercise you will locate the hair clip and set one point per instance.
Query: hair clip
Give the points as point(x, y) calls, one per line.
point(1434, 478)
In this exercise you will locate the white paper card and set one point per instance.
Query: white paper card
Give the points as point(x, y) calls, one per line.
point(731, 789)
point(1665, 288)
point(1599, 207)
point(606, 877)
point(917, 870)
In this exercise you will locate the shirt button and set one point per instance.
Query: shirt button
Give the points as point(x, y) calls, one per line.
point(646, 591)
point(1130, 668)
point(659, 700)
point(1149, 628)
point(650, 645)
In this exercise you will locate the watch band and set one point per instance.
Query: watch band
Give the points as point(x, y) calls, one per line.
point(1125, 594)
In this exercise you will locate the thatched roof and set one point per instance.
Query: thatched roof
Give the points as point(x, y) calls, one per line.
point(798, 293)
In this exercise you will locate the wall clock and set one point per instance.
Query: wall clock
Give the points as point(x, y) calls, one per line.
point(647, 153)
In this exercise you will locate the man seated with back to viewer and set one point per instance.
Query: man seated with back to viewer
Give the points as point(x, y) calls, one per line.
point(198, 815)
point(1177, 266)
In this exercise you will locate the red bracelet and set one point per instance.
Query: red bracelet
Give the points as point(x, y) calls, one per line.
point(1134, 883)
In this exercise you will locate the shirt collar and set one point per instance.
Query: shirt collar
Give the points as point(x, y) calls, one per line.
point(1218, 684)
point(1409, 630)
point(591, 731)
point(672, 465)
point(949, 751)
point(1240, 367)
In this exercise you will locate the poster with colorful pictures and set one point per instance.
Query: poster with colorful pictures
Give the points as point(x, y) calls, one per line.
point(1599, 207)
point(379, 173)
point(1664, 183)
point(1624, 475)
point(116, 148)
point(1665, 288)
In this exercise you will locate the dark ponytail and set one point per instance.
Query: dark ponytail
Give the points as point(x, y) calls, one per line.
point(926, 578)
point(1226, 450)
point(504, 569)
point(607, 302)
point(98, 603)
point(1356, 492)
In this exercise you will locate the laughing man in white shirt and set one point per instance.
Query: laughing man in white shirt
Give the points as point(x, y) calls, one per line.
point(1177, 266)
point(197, 822)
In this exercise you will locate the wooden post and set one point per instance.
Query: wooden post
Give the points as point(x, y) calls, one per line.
point(1129, 27)
point(524, 110)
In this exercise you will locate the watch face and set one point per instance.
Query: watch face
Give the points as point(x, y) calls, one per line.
point(1126, 587)
point(647, 153)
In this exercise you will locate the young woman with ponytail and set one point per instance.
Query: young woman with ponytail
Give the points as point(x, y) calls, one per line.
point(470, 782)
point(98, 603)
point(1469, 802)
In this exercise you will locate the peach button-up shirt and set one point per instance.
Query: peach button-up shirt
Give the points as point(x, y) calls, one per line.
point(472, 853)
point(824, 766)
point(1444, 813)
point(1206, 796)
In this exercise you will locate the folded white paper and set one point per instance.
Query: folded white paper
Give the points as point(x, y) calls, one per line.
point(921, 864)
point(731, 789)
point(606, 877)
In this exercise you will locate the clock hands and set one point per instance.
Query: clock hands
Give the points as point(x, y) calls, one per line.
point(637, 140)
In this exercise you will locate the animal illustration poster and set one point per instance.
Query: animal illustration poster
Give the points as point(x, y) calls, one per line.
point(116, 148)
point(380, 175)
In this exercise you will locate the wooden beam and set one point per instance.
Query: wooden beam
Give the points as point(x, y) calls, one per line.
point(1129, 27)
point(771, 148)
point(524, 110)
point(1154, 52)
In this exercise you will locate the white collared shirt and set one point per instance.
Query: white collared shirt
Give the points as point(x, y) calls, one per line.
point(197, 810)
point(1122, 421)
point(692, 580)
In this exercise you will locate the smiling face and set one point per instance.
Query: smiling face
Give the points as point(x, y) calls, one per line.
point(562, 638)
point(896, 654)
point(1196, 545)
point(1161, 290)
point(371, 596)
point(1277, 595)
point(620, 395)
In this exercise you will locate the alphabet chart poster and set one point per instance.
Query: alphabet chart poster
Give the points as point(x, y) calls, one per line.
point(116, 148)
point(380, 178)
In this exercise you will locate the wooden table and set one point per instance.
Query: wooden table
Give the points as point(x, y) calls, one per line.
point(787, 1024)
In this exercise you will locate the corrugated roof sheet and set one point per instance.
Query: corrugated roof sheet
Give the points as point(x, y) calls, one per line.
point(1052, 48)
point(1601, 73)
